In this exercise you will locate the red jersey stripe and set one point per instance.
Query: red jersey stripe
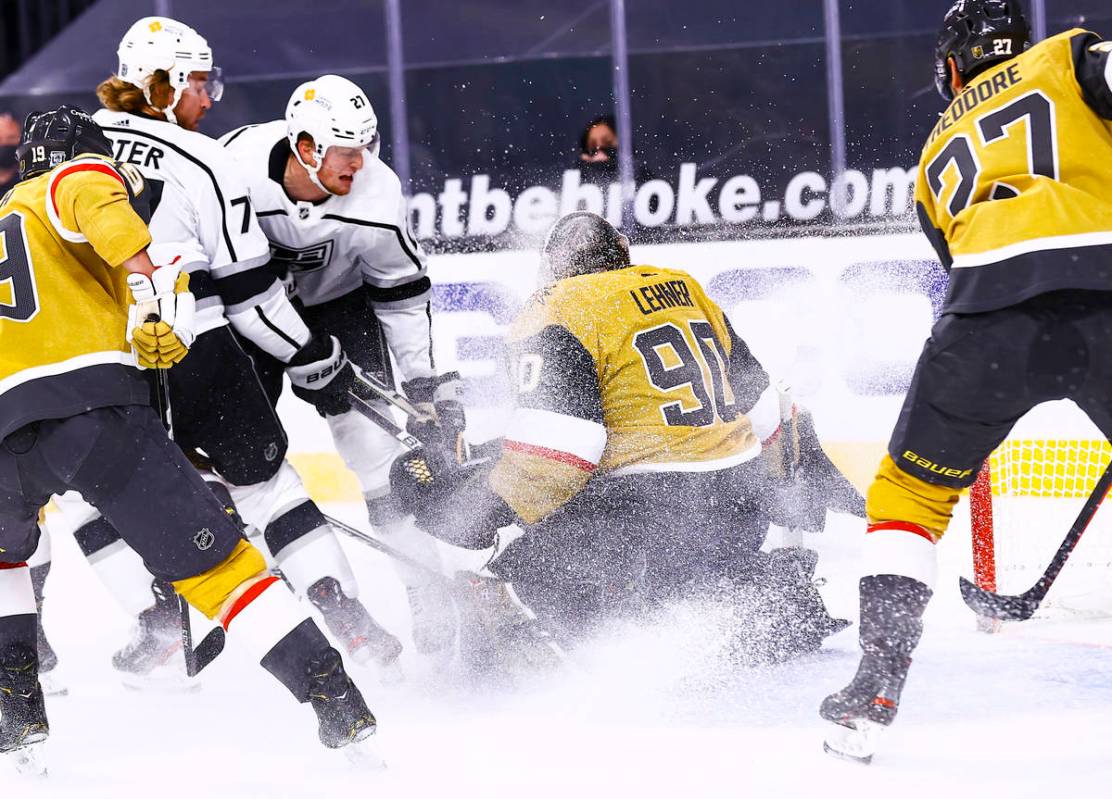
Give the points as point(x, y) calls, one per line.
point(550, 454)
point(75, 168)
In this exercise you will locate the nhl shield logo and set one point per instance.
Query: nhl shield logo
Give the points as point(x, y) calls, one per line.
point(204, 539)
point(303, 212)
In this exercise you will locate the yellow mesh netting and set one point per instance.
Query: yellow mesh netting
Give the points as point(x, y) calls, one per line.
point(1061, 468)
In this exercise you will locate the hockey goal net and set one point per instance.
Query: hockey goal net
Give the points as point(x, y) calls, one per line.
point(1021, 507)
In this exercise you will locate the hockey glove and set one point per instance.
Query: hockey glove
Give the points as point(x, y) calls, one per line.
point(442, 399)
point(449, 502)
point(160, 321)
point(321, 375)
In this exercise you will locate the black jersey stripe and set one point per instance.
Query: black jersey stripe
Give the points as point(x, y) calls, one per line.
point(381, 226)
point(404, 291)
point(238, 133)
point(198, 162)
point(275, 212)
point(276, 330)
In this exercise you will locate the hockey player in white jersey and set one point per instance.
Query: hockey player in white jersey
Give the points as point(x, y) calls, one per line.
point(219, 406)
point(338, 227)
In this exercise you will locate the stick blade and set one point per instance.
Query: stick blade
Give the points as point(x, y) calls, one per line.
point(997, 606)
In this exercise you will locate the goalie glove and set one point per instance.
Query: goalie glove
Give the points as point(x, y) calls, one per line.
point(451, 502)
point(441, 398)
point(322, 376)
point(160, 320)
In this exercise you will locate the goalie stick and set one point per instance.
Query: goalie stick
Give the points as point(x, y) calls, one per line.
point(1020, 607)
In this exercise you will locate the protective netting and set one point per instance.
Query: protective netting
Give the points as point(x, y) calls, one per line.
point(1038, 488)
point(1048, 468)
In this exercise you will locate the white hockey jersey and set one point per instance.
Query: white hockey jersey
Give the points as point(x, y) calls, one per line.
point(206, 212)
point(333, 247)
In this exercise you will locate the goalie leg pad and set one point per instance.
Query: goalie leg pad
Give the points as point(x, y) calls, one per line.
point(896, 495)
point(314, 556)
point(211, 590)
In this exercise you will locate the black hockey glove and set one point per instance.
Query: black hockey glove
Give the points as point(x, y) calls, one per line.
point(451, 502)
point(441, 398)
point(321, 375)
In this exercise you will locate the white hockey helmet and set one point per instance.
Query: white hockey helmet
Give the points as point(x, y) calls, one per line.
point(155, 43)
point(336, 113)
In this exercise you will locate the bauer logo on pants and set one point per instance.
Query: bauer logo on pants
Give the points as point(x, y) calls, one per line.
point(204, 539)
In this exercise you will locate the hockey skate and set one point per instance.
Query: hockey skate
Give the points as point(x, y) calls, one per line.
point(153, 658)
point(23, 724)
point(345, 720)
point(362, 637)
point(864, 708)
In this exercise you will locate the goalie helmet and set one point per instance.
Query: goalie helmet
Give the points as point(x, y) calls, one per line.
point(335, 113)
point(978, 34)
point(51, 138)
point(155, 43)
point(582, 243)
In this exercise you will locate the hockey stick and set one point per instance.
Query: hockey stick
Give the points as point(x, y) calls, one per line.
point(1020, 607)
point(213, 643)
point(394, 397)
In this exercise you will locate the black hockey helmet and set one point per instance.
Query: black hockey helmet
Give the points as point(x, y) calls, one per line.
point(582, 243)
point(978, 34)
point(53, 137)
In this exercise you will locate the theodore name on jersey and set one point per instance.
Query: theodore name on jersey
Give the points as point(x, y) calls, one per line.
point(626, 372)
point(1015, 181)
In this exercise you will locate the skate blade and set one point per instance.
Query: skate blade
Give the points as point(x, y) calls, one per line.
point(364, 754)
point(855, 741)
point(28, 761)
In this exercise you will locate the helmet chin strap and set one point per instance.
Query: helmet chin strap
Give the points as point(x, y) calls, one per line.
point(312, 170)
point(168, 111)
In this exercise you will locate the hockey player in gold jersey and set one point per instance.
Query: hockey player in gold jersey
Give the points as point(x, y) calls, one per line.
point(75, 415)
point(1015, 193)
point(633, 458)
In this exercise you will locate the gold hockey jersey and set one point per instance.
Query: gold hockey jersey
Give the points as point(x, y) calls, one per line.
point(623, 372)
point(63, 302)
point(1015, 181)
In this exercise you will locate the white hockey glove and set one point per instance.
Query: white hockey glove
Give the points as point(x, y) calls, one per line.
point(161, 320)
point(322, 376)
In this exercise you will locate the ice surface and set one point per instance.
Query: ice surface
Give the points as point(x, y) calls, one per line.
point(653, 713)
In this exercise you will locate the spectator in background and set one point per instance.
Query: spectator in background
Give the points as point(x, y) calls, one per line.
point(598, 153)
point(598, 150)
point(9, 141)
